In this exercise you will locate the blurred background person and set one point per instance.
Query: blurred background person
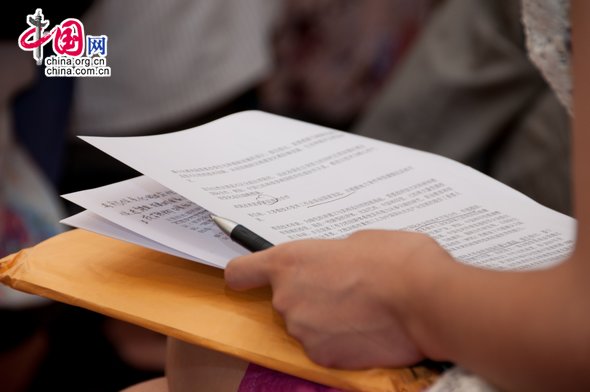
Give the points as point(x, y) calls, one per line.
point(29, 212)
point(332, 56)
point(175, 64)
point(468, 91)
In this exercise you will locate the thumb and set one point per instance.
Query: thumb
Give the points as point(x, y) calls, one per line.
point(248, 272)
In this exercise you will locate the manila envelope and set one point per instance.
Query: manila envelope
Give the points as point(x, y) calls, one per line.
point(184, 300)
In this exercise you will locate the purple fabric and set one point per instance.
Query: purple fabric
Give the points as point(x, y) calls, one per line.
point(261, 379)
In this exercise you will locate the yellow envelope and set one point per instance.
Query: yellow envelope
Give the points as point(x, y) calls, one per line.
point(182, 299)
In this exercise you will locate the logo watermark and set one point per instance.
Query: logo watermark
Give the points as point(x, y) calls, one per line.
point(76, 54)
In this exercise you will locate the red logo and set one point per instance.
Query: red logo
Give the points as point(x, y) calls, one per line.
point(68, 37)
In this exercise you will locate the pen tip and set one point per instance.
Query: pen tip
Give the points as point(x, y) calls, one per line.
point(224, 224)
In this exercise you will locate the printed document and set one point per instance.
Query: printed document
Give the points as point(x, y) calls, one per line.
point(287, 180)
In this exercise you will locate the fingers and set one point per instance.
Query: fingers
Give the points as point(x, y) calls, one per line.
point(250, 271)
point(260, 268)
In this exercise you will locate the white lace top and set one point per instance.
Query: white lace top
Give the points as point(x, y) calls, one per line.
point(548, 39)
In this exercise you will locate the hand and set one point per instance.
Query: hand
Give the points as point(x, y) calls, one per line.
point(345, 300)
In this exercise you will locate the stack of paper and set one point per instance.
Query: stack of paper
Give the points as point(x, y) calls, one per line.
point(286, 180)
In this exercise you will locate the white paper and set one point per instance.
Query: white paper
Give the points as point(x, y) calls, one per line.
point(287, 179)
point(152, 211)
point(90, 221)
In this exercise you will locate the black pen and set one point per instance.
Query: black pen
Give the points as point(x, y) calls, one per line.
point(241, 235)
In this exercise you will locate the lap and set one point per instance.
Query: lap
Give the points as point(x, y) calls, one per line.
point(189, 366)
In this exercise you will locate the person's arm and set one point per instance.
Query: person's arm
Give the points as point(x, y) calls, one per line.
point(387, 298)
point(531, 331)
point(581, 132)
